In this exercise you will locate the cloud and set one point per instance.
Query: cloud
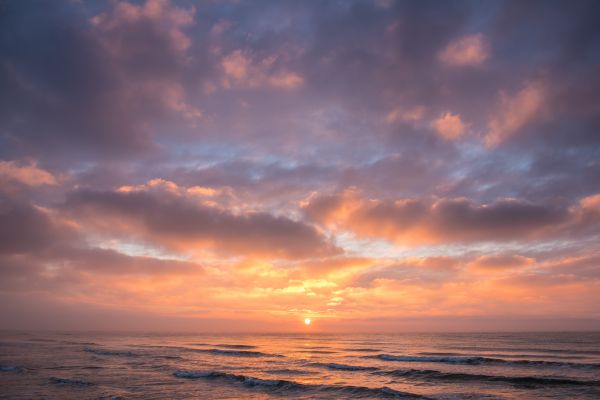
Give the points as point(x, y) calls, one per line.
point(469, 50)
point(180, 222)
point(515, 113)
point(157, 156)
point(158, 18)
point(29, 175)
point(404, 114)
point(25, 228)
point(579, 267)
point(449, 126)
point(93, 87)
point(501, 262)
point(444, 220)
point(241, 69)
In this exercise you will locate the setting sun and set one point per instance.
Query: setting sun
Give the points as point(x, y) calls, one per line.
point(307, 321)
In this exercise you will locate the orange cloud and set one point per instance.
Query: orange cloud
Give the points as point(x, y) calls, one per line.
point(515, 113)
point(425, 221)
point(449, 126)
point(469, 50)
point(406, 114)
point(29, 175)
point(241, 69)
point(501, 262)
point(168, 20)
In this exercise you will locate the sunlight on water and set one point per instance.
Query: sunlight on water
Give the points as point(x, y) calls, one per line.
point(302, 366)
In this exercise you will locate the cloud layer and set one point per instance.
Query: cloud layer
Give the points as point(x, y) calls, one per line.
point(272, 161)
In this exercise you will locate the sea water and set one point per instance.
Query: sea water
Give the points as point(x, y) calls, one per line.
point(68, 365)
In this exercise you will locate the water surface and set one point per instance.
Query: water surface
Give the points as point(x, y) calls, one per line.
point(300, 366)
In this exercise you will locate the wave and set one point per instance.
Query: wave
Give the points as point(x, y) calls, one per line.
point(531, 349)
point(101, 352)
point(164, 347)
point(70, 382)
point(286, 371)
point(11, 368)
point(168, 357)
point(344, 367)
point(71, 367)
point(287, 387)
point(362, 350)
point(459, 376)
point(557, 357)
point(79, 343)
point(234, 353)
point(317, 351)
point(236, 346)
point(219, 352)
point(465, 360)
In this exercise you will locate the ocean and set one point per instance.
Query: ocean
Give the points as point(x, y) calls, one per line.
point(71, 365)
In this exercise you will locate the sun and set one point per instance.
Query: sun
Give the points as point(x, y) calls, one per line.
point(307, 321)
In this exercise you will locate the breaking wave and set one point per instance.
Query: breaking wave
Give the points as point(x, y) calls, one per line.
point(288, 387)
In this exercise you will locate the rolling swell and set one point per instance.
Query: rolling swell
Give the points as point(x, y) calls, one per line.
point(236, 346)
point(532, 349)
point(288, 387)
point(235, 353)
point(11, 368)
point(69, 382)
point(288, 371)
point(362, 350)
point(317, 351)
point(101, 352)
point(495, 355)
point(344, 367)
point(466, 360)
point(530, 381)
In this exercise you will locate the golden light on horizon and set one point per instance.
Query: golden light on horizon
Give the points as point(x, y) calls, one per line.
point(307, 321)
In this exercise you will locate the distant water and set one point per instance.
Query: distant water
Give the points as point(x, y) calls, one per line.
point(303, 366)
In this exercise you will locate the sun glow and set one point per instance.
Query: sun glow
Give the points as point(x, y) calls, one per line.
point(307, 321)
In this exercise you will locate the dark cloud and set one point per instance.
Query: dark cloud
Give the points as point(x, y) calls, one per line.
point(421, 221)
point(176, 222)
point(79, 88)
point(25, 228)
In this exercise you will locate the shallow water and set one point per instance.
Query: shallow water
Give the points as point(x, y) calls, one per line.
point(300, 366)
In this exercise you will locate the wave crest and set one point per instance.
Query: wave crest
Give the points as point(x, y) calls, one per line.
point(344, 367)
point(236, 353)
point(529, 381)
point(101, 352)
point(69, 382)
point(466, 360)
point(11, 368)
point(286, 387)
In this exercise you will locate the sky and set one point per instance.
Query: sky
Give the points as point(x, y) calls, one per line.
point(376, 166)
